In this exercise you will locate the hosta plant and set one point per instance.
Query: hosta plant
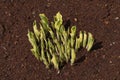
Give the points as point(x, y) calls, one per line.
point(53, 44)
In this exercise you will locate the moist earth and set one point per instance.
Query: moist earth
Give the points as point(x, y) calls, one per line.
point(100, 17)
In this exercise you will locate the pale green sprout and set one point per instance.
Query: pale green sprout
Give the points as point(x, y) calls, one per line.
point(32, 40)
point(53, 44)
point(90, 42)
point(84, 39)
point(44, 21)
point(73, 35)
point(55, 61)
point(79, 41)
point(73, 56)
point(58, 21)
point(36, 31)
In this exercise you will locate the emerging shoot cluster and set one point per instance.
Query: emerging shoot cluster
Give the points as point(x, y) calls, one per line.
point(53, 44)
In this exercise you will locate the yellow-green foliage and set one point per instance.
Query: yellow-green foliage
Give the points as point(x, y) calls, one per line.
point(53, 45)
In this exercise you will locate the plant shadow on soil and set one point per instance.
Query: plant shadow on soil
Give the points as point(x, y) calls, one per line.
point(67, 24)
point(97, 45)
point(81, 58)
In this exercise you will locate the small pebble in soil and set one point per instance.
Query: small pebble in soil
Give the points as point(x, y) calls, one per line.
point(58, 72)
point(6, 75)
point(11, 0)
point(103, 56)
point(33, 13)
point(7, 13)
point(75, 19)
point(110, 62)
point(116, 18)
point(15, 43)
point(6, 56)
point(118, 57)
point(4, 48)
point(106, 22)
point(112, 43)
point(48, 4)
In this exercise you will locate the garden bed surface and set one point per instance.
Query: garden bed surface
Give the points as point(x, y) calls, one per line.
point(100, 17)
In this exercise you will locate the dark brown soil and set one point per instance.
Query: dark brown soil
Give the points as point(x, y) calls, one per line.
point(100, 17)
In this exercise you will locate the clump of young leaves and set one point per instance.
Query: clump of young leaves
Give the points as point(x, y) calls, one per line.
point(53, 44)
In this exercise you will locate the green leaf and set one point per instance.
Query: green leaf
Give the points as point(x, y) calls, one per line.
point(44, 58)
point(44, 22)
point(44, 19)
point(51, 45)
point(73, 56)
point(58, 21)
point(51, 51)
point(55, 61)
point(72, 42)
point(52, 34)
point(36, 31)
point(90, 42)
point(68, 49)
point(63, 53)
point(36, 54)
point(84, 39)
point(42, 34)
point(49, 57)
point(31, 38)
point(79, 41)
point(73, 32)
point(43, 54)
point(35, 49)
